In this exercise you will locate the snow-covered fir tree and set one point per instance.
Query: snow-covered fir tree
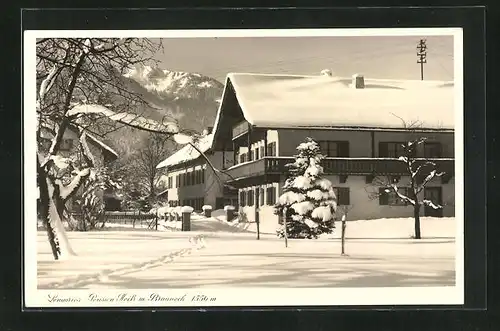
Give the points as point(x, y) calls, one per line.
point(308, 201)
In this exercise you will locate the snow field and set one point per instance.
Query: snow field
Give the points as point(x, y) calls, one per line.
point(107, 253)
point(379, 253)
point(238, 260)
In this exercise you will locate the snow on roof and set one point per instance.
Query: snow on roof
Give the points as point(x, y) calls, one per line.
point(187, 152)
point(103, 145)
point(298, 101)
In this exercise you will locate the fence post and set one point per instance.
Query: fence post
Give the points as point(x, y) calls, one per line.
point(229, 212)
point(186, 218)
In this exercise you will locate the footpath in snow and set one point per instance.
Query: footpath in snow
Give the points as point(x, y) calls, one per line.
point(380, 253)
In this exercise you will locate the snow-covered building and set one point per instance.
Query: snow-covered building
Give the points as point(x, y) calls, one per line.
point(190, 181)
point(359, 124)
point(103, 153)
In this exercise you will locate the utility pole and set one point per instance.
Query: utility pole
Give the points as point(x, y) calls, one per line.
point(422, 56)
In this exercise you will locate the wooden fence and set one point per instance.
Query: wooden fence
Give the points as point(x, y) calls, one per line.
point(134, 218)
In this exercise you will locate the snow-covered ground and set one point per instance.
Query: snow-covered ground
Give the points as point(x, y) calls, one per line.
point(220, 254)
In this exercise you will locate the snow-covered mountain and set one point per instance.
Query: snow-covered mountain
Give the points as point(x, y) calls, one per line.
point(191, 98)
point(166, 83)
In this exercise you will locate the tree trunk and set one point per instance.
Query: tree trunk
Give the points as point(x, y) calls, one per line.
point(52, 213)
point(44, 209)
point(416, 215)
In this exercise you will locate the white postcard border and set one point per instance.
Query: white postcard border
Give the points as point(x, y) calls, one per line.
point(35, 298)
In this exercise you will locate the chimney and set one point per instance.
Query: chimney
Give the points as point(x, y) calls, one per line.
point(358, 81)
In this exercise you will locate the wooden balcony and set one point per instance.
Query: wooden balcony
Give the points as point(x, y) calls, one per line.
point(240, 129)
point(334, 166)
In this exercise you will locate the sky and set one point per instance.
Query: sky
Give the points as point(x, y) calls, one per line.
point(383, 57)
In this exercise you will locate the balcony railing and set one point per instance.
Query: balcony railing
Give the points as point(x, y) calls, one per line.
point(239, 129)
point(334, 166)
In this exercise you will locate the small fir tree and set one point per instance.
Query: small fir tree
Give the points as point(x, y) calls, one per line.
point(308, 201)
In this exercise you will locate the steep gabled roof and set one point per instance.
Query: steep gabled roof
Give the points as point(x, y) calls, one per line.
point(277, 101)
point(102, 145)
point(188, 153)
point(48, 134)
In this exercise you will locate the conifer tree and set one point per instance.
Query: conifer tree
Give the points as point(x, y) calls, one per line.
point(308, 201)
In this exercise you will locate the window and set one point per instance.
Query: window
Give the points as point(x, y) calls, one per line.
point(393, 149)
point(243, 157)
point(256, 153)
point(343, 196)
point(250, 155)
point(66, 145)
point(271, 149)
point(169, 185)
point(243, 199)
point(271, 195)
point(391, 198)
point(261, 196)
point(334, 148)
point(250, 198)
point(188, 178)
point(203, 176)
point(432, 149)
point(262, 151)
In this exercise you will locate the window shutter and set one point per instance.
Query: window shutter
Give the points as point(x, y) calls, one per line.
point(383, 198)
point(269, 193)
point(262, 151)
point(439, 150)
point(344, 198)
point(343, 149)
point(383, 149)
point(261, 195)
point(242, 199)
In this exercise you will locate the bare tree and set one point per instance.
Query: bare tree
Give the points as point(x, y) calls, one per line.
point(80, 83)
point(420, 172)
point(143, 163)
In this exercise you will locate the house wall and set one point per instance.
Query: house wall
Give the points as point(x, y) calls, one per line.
point(209, 190)
point(272, 136)
point(360, 144)
point(266, 213)
point(363, 205)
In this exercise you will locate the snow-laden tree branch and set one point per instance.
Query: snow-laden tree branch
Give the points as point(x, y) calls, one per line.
point(420, 172)
point(73, 72)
